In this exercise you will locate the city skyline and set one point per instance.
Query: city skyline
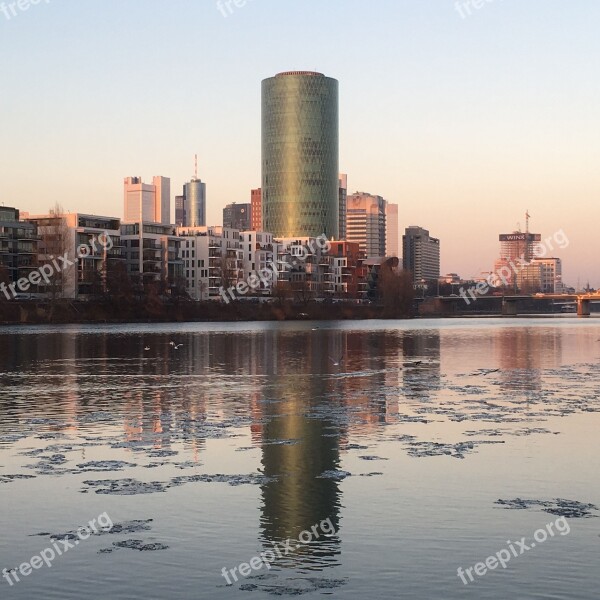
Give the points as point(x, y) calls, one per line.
point(464, 133)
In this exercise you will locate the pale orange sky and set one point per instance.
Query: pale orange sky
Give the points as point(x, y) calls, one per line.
point(465, 123)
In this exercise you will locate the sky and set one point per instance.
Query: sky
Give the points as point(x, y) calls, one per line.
point(464, 120)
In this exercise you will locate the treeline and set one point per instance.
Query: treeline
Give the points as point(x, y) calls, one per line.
point(151, 310)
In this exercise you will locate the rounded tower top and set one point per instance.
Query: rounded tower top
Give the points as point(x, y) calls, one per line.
point(305, 73)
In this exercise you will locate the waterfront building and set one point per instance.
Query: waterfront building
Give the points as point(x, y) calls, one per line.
point(152, 255)
point(212, 259)
point(18, 248)
point(421, 254)
point(259, 253)
point(541, 275)
point(366, 223)
point(77, 237)
point(347, 278)
point(300, 155)
point(304, 267)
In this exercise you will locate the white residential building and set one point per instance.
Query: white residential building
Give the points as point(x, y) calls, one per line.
point(212, 258)
point(91, 243)
point(152, 254)
point(304, 265)
point(259, 252)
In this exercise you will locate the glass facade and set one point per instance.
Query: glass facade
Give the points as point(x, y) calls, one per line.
point(195, 203)
point(300, 155)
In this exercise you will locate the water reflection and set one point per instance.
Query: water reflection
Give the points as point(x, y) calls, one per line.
point(298, 401)
point(522, 357)
point(299, 450)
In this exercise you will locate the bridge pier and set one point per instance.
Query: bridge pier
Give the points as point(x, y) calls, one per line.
point(509, 308)
point(583, 307)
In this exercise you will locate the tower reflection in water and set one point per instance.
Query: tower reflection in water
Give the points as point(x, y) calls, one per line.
point(300, 449)
point(308, 408)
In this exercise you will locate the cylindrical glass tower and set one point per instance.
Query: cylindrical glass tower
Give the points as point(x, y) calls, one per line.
point(195, 203)
point(300, 155)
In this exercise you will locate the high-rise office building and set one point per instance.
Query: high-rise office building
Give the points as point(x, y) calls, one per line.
point(343, 199)
point(150, 203)
point(516, 249)
point(551, 281)
point(421, 254)
point(256, 209)
point(392, 234)
point(190, 207)
point(365, 223)
point(540, 275)
point(300, 155)
point(237, 216)
point(180, 212)
point(518, 245)
point(194, 193)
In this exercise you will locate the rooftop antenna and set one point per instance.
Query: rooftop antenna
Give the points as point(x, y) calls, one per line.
point(195, 166)
point(527, 217)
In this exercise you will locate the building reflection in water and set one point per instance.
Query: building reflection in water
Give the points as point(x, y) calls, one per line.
point(310, 406)
point(422, 367)
point(300, 446)
point(522, 355)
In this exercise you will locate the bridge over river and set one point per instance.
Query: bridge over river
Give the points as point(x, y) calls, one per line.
point(506, 305)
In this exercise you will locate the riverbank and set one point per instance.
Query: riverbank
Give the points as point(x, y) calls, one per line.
point(66, 312)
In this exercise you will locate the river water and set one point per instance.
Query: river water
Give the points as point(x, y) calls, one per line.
point(364, 460)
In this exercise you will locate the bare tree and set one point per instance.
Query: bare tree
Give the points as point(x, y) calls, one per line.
point(281, 291)
point(302, 291)
point(395, 288)
point(56, 245)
